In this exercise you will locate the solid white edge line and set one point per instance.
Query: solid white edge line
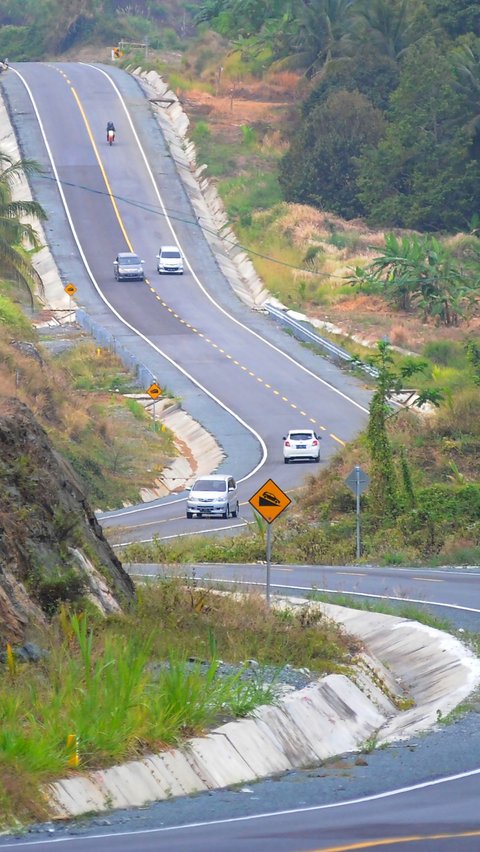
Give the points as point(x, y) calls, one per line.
point(104, 298)
point(400, 791)
point(317, 589)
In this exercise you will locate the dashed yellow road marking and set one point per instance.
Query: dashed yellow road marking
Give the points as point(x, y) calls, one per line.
point(237, 363)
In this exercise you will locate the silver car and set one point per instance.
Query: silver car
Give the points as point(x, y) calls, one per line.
point(127, 266)
point(213, 495)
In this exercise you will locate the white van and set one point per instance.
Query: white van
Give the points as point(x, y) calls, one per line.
point(170, 259)
point(213, 495)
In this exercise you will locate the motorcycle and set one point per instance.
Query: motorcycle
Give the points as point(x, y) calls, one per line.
point(110, 137)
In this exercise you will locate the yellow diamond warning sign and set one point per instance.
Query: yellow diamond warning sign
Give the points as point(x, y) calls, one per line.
point(70, 289)
point(270, 501)
point(154, 390)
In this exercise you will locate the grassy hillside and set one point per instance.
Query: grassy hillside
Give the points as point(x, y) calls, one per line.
point(76, 396)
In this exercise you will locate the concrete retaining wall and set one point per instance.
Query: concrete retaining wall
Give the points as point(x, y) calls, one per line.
point(337, 715)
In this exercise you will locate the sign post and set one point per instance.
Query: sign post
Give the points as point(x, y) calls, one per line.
point(70, 290)
point(154, 391)
point(269, 501)
point(357, 480)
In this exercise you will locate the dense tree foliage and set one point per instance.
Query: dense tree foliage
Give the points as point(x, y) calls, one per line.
point(333, 134)
point(423, 174)
point(418, 61)
point(33, 29)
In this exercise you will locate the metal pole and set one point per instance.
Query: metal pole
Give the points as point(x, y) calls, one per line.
point(154, 415)
point(269, 556)
point(357, 495)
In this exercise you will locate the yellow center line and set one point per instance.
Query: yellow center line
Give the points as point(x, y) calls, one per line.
point(338, 440)
point(277, 393)
point(285, 398)
point(312, 420)
point(250, 373)
point(259, 379)
point(391, 841)
point(104, 174)
point(292, 405)
point(267, 385)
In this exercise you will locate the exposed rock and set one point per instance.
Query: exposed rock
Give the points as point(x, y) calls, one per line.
point(51, 544)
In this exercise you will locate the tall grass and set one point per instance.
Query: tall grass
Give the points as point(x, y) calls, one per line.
point(129, 685)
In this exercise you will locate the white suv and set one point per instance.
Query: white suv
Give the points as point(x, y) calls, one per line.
point(170, 259)
point(213, 495)
point(301, 444)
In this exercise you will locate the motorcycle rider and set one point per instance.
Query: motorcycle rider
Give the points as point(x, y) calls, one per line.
point(110, 129)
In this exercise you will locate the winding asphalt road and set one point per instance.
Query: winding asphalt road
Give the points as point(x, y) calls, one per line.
point(244, 379)
point(237, 374)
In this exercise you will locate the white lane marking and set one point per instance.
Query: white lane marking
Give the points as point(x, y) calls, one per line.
point(195, 276)
point(375, 797)
point(104, 298)
point(181, 534)
point(428, 579)
point(346, 593)
point(351, 574)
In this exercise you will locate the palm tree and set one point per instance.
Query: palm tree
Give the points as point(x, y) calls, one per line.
point(318, 33)
point(466, 60)
point(389, 25)
point(15, 234)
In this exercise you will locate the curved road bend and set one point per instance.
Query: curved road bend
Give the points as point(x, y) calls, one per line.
point(113, 205)
point(449, 593)
point(246, 380)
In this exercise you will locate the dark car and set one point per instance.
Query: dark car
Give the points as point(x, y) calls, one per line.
point(127, 266)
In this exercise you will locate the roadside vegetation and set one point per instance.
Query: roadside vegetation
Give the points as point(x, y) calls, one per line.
point(109, 439)
point(145, 681)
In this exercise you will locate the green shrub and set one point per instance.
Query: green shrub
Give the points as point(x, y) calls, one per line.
point(14, 319)
point(60, 586)
point(446, 353)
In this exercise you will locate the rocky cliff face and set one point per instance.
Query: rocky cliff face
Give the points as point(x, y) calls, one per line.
point(51, 545)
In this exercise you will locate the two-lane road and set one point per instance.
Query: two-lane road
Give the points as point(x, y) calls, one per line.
point(251, 381)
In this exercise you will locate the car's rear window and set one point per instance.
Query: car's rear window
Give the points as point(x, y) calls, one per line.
point(210, 485)
point(301, 436)
point(174, 255)
point(129, 261)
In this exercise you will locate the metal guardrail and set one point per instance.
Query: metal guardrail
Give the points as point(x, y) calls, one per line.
point(303, 331)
